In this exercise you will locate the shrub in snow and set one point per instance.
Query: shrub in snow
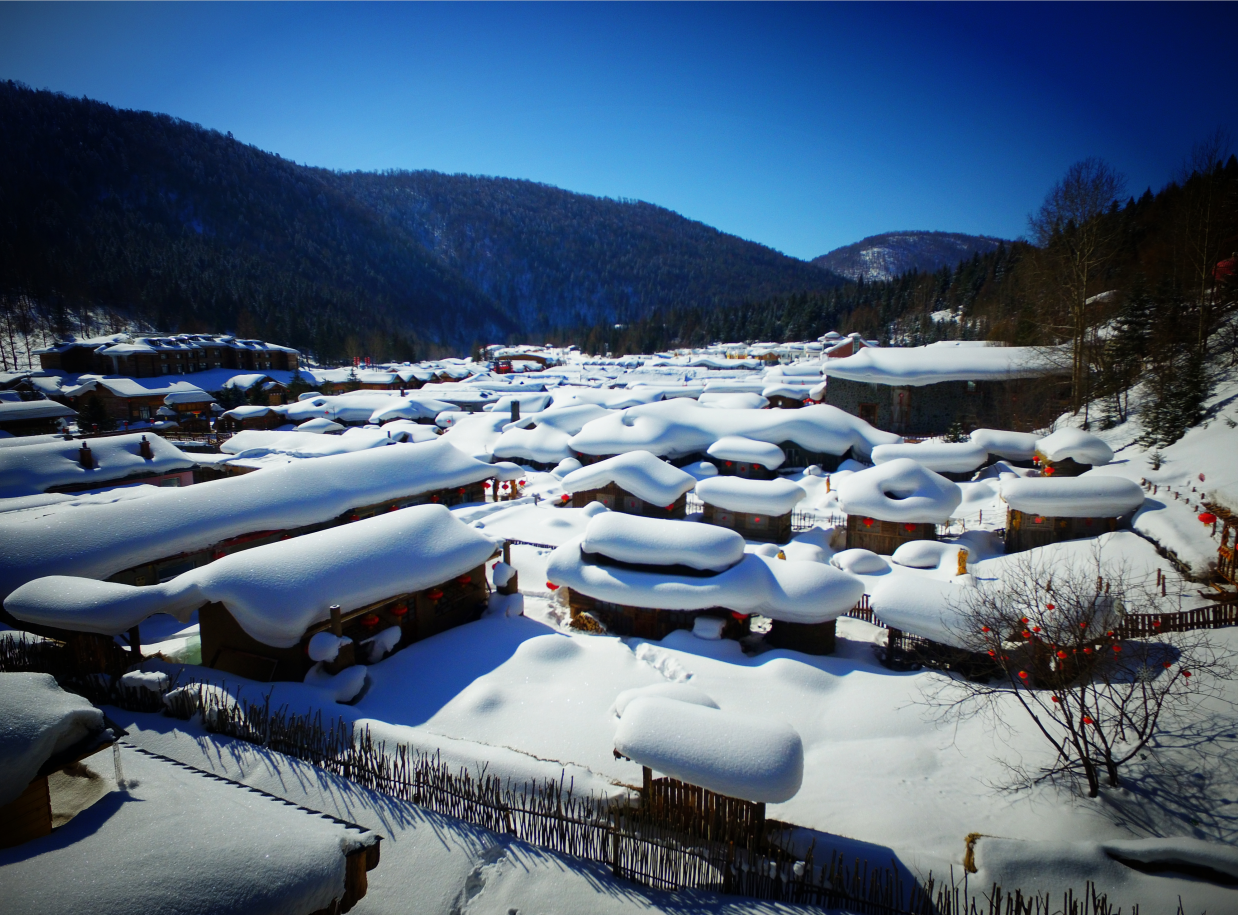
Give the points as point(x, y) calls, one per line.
point(741, 756)
point(900, 490)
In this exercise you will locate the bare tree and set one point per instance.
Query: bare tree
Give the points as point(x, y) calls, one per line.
point(1206, 230)
point(1076, 240)
point(1053, 632)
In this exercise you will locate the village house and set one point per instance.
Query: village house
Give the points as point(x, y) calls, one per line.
point(33, 417)
point(1070, 452)
point(1044, 510)
point(131, 400)
point(735, 455)
point(756, 509)
point(894, 503)
point(75, 465)
point(179, 354)
point(926, 390)
point(635, 483)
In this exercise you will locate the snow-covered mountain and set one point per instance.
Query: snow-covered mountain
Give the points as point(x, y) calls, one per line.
point(885, 256)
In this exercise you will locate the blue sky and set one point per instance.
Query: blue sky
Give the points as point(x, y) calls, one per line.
point(800, 126)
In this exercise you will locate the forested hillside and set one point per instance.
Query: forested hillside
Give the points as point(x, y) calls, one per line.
point(187, 229)
point(891, 254)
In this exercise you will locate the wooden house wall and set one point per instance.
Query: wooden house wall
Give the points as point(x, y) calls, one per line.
point(649, 623)
point(747, 470)
point(768, 528)
point(28, 817)
point(1026, 531)
point(810, 638)
point(620, 500)
point(884, 537)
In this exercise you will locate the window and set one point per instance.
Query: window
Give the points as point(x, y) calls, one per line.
point(971, 387)
point(868, 413)
point(632, 504)
point(758, 522)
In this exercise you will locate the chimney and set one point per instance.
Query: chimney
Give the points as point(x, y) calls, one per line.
point(85, 458)
point(144, 449)
point(515, 411)
point(337, 622)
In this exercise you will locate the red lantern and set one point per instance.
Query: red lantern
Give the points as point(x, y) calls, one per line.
point(460, 491)
point(1035, 629)
point(868, 522)
point(1087, 651)
point(910, 528)
point(1050, 607)
point(740, 617)
point(984, 628)
point(1048, 471)
point(1187, 674)
point(1026, 634)
point(992, 653)
point(1023, 619)
point(1023, 675)
point(487, 484)
point(1207, 517)
point(399, 610)
point(1117, 648)
point(465, 579)
point(756, 520)
point(370, 620)
point(552, 586)
point(1167, 665)
point(1087, 720)
point(1061, 654)
point(1055, 699)
point(435, 593)
point(433, 498)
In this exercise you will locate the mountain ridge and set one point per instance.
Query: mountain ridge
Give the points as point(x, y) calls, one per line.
point(887, 255)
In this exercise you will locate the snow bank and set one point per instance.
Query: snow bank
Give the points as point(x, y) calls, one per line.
point(1088, 496)
point(755, 759)
point(637, 472)
point(36, 468)
point(1013, 446)
point(681, 427)
point(96, 541)
point(1075, 444)
point(37, 720)
point(900, 490)
point(656, 541)
point(737, 494)
point(943, 361)
point(859, 562)
point(737, 400)
point(942, 457)
point(680, 692)
point(279, 590)
point(796, 592)
point(747, 450)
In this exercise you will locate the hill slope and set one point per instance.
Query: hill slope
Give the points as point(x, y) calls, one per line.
point(885, 256)
point(189, 229)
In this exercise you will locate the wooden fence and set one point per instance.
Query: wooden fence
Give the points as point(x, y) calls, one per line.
point(1143, 625)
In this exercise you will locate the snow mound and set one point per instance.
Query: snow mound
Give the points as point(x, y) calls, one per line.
point(543, 437)
point(565, 466)
point(1012, 446)
point(709, 628)
point(927, 607)
point(1088, 496)
point(343, 686)
point(37, 720)
point(278, 590)
point(637, 472)
point(680, 692)
point(938, 362)
point(747, 450)
point(859, 562)
point(737, 494)
point(740, 756)
point(320, 426)
point(734, 400)
point(701, 470)
point(943, 457)
point(927, 554)
point(900, 490)
point(1074, 444)
point(656, 541)
point(795, 592)
point(325, 646)
point(35, 468)
point(413, 408)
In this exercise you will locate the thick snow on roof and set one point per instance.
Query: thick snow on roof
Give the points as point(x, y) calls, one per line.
point(762, 497)
point(943, 457)
point(797, 592)
point(1075, 444)
point(756, 759)
point(859, 562)
point(20, 410)
point(791, 392)
point(475, 434)
point(1090, 496)
point(606, 397)
point(355, 407)
point(538, 523)
point(37, 468)
point(278, 590)
point(99, 540)
point(121, 386)
point(900, 490)
point(402, 430)
point(924, 606)
point(746, 450)
point(658, 541)
point(188, 397)
point(411, 407)
point(543, 437)
point(733, 401)
point(37, 720)
point(250, 444)
point(320, 426)
point(942, 361)
point(178, 840)
point(1013, 446)
point(679, 427)
point(637, 472)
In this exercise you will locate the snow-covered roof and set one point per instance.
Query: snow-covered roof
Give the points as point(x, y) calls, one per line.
point(662, 542)
point(791, 392)
point(1074, 444)
point(1013, 446)
point(543, 437)
point(943, 457)
point(355, 407)
point(611, 399)
point(188, 397)
point(475, 434)
point(747, 450)
point(538, 523)
point(762, 497)
point(180, 840)
point(942, 361)
point(120, 386)
point(411, 407)
point(637, 472)
point(797, 592)
point(256, 443)
point(733, 400)
point(99, 540)
point(249, 412)
point(39, 720)
point(21, 410)
point(756, 759)
point(278, 590)
point(37, 468)
point(679, 427)
point(900, 490)
point(1089, 496)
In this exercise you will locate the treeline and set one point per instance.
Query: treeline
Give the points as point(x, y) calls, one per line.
point(171, 225)
point(1135, 290)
